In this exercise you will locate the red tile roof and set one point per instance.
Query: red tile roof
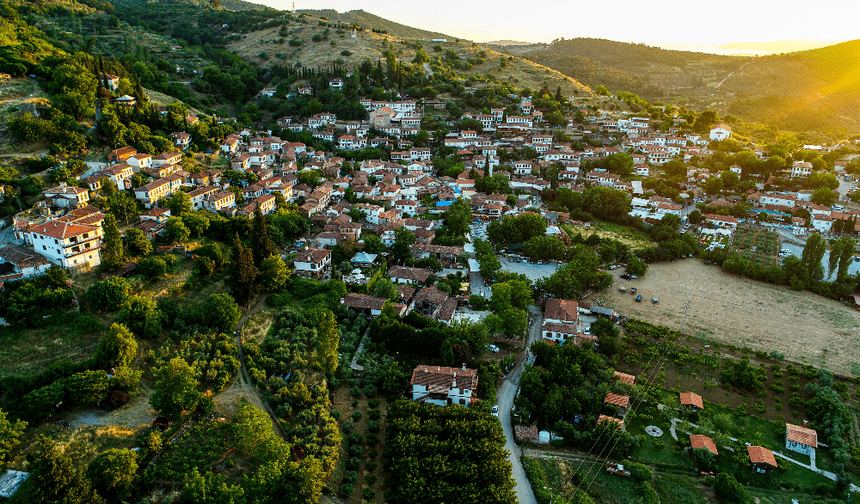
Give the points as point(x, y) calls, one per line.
point(761, 455)
point(629, 379)
point(699, 441)
point(617, 399)
point(691, 399)
point(604, 418)
point(801, 435)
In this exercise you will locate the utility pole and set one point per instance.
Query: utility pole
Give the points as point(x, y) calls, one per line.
point(687, 307)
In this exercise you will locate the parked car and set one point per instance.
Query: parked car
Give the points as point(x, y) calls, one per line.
point(493, 348)
point(625, 276)
point(639, 298)
point(495, 410)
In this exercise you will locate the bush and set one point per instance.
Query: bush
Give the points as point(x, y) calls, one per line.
point(345, 490)
point(368, 494)
point(109, 294)
point(374, 403)
point(356, 415)
point(373, 426)
point(370, 466)
point(374, 414)
point(350, 477)
point(370, 479)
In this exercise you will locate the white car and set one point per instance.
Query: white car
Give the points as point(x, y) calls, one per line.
point(493, 348)
point(495, 410)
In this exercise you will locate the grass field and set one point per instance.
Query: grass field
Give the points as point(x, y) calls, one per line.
point(802, 326)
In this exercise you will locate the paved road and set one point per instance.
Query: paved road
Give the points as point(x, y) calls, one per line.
point(505, 397)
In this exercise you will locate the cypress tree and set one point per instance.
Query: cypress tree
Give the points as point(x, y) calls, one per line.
point(112, 251)
point(260, 241)
point(243, 273)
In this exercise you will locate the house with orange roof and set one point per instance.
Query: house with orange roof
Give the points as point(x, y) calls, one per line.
point(700, 441)
point(761, 458)
point(622, 401)
point(801, 439)
point(693, 401)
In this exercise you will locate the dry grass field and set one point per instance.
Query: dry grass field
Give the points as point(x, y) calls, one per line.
point(806, 328)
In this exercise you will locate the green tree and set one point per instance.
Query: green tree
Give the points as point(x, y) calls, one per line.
point(175, 388)
point(113, 255)
point(10, 435)
point(109, 294)
point(243, 273)
point(221, 312)
point(55, 478)
point(824, 196)
point(728, 489)
point(261, 244)
point(117, 348)
point(705, 121)
point(196, 222)
point(601, 90)
point(695, 217)
point(137, 243)
point(274, 273)
point(113, 471)
point(846, 256)
point(636, 266)
point(177, 229)
point(180, 204)
point(328, 337)
point(141, 315)
point(813, 252)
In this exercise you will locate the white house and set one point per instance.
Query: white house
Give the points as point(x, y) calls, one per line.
point(721, 131)
point(313, 263)
point(18, 263)
point(68, 244)
point(443, 386)
point(801, 169)
point(800, 439)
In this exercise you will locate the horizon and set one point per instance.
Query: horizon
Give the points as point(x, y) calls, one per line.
point(783, 22)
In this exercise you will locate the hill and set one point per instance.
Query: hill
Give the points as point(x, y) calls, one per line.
point(373, 22)
point(780, 46)
point(817, 89)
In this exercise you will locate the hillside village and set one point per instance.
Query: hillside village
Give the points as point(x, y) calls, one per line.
point(324, 305)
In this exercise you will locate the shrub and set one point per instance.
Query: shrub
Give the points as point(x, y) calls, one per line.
point(345, 53)
point(370, 466)
point(372, 439)
point(374, 414)
point(373, 426)
point(370, 479)
point(109, 294)
point(350, 477)
point(368, 494)
point(356, 415)
point(355, 392)
point(296, 43)
point(345, 490)
point(374, 403)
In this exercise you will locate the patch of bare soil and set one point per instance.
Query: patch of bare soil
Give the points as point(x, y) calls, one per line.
point(804, 327)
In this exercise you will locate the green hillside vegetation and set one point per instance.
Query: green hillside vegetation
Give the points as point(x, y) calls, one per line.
point(823, 93)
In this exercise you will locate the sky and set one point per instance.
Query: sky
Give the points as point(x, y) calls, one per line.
point(655, 22)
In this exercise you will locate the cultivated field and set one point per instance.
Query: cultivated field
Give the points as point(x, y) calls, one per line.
point(806, 328)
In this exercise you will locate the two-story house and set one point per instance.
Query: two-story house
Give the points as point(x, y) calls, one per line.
point(443, 386)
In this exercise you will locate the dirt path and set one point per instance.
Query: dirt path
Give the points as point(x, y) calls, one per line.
point(227, 401)
point(729, 75)
point(804, 327)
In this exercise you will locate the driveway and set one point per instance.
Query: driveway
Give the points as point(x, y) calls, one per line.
point(505, 398)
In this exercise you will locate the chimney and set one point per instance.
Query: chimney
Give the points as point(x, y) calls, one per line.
point(464, 366)
point(804, 423)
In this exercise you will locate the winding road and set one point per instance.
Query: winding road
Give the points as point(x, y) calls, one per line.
point(505, 398)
